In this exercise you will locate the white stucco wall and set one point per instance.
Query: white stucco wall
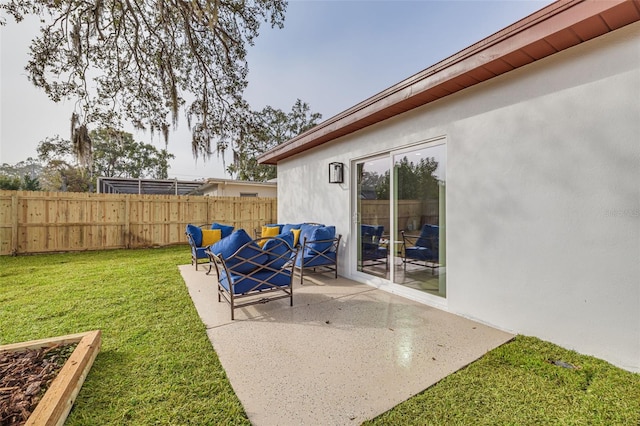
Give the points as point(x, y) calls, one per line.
point(237, 189)
point(543, 195)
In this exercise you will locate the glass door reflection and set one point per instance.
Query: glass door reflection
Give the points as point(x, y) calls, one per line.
point(373, 216)
point(419, 196)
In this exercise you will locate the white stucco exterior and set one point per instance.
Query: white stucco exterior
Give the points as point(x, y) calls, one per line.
point(238, 188)
point(543, 195)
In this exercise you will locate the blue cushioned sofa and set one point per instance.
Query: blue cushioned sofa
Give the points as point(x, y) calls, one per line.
point(317, 246)
point(253, 271)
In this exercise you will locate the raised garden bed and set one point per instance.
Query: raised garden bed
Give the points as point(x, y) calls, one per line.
point(55, 405)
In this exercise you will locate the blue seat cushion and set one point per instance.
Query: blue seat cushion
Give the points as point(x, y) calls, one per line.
point(420, 253)
point(199, 252)
point(310, 261)
point(377, 253)
point(242, 247)
point(196, 234)
point(276, 249)
point(225, 230)
point(245, 283)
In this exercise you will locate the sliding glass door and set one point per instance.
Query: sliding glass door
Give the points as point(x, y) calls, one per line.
point(420, 221)
point(373, 216)
point(400, 221)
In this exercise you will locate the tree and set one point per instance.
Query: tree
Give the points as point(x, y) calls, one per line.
point(30, 166)
point(139, 60)
point(9, 183)
point(263, 131)
point(415, 181)
point(30, 183)
point(114, 153)
point(23, 175)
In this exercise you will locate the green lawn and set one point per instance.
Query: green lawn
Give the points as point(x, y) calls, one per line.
point(156, 365)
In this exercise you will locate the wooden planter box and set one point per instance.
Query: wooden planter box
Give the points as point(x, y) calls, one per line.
point(55, 405)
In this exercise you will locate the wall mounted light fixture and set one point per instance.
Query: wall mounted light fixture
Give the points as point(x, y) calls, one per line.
point(336, 172)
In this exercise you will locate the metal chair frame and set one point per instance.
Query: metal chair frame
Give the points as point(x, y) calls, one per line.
point(328, 264)
point(259, 278)
point(194, 248)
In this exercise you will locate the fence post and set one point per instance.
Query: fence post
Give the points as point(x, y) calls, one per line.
point(208, 210)
point(14, 224)
point(127, 222)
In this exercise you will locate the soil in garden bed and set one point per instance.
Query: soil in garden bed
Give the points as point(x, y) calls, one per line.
point(24, 378)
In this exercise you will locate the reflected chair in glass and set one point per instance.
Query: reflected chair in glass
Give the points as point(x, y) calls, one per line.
point(422, 249)
point(373, 251)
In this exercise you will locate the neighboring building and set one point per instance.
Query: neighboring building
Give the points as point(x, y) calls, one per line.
point(237, 188)
point(116, 185)
point(530, 141)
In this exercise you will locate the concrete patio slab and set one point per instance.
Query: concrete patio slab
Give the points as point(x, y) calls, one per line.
point(344, 353)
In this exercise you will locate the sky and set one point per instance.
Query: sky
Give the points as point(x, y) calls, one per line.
point(331, 54)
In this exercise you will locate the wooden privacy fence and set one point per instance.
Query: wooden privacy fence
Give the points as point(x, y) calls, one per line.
point(412, 214)
point(38, 222)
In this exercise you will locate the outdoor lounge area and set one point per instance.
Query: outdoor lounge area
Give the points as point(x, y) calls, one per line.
point(251, 271)
point(319, 356)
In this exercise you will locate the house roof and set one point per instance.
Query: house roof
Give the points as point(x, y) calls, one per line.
point(554, 28)
point(215, 183)
point(114, 185)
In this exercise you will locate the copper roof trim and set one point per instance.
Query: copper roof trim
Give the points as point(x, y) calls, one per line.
point(553, 28)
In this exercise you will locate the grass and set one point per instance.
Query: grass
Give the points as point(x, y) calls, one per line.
point(156, 365)
point(516, 384)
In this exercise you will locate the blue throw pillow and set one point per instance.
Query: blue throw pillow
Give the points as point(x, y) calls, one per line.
point(428, 236)
point(275, 249)
point(228, 246)
point(306, 231)
point(287, 227)
point(225, 230)
point(196, 234)
point(320, 233)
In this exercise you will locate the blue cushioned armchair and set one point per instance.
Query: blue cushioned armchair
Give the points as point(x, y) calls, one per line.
point(194, 237)
point(422, 249)
point(249, 274)
point(318, 249)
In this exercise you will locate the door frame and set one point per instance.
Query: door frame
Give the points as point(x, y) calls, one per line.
point(375, 281)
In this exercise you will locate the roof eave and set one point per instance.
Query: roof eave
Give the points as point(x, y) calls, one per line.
point(550, 30)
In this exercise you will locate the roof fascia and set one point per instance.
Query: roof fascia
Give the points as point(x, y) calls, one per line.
point(397, 99)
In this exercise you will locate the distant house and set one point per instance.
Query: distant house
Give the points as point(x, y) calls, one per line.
point(237, 188)
point(117, 185)
point(521, 156)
